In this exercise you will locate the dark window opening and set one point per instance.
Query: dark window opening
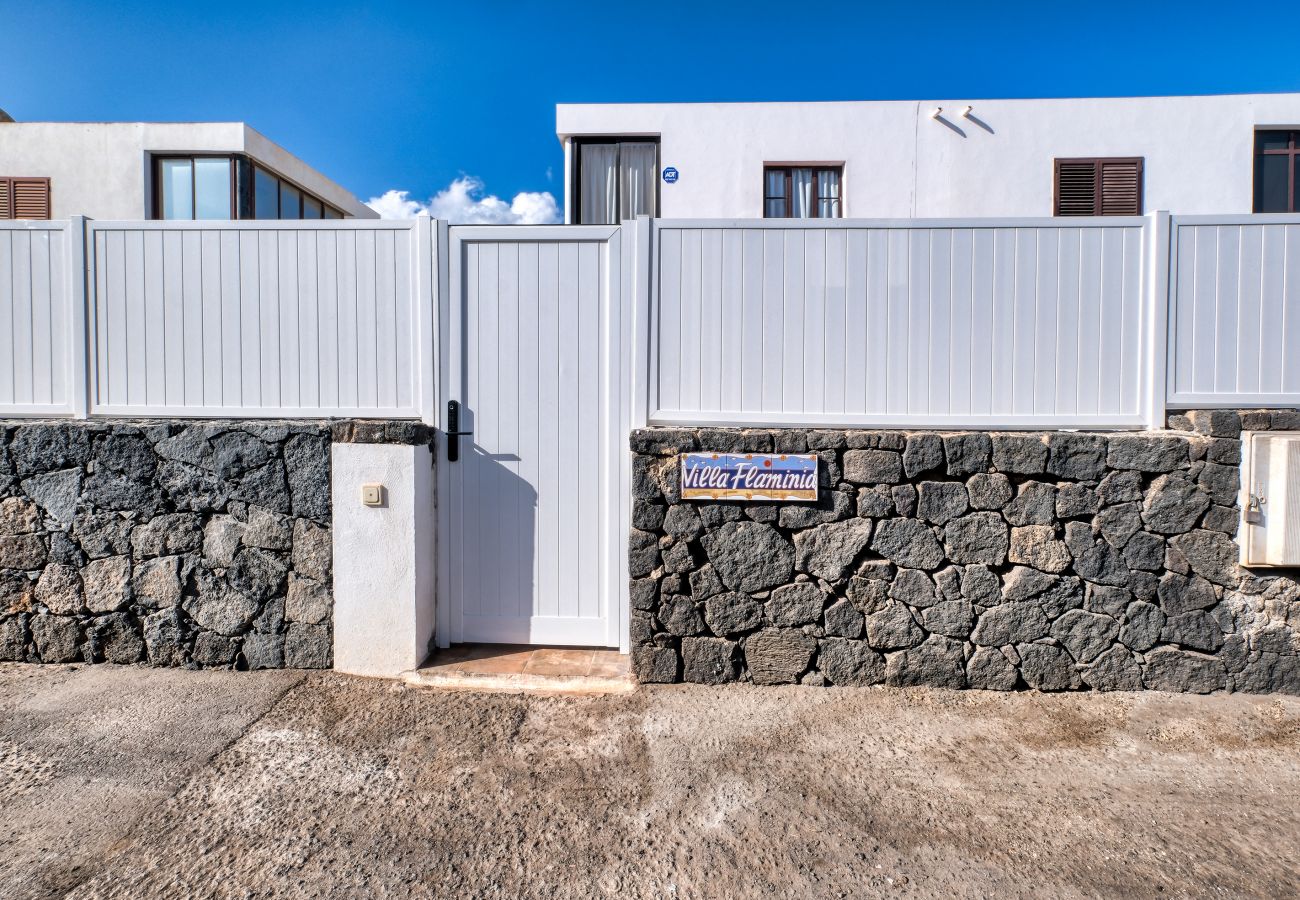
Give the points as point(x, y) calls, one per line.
point(275, 198)
point(617, 179)
point(1097, 187)
point(1277, 153)
point(802, 192)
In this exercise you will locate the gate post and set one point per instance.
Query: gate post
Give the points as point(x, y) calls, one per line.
point(81, 340)
point(384, 564)
point(1155, 373)
point(427, 262)
point(639, 281)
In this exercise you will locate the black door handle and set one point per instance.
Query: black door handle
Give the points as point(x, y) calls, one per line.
point(453, 431)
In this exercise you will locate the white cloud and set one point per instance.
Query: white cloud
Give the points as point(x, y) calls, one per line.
point(464, 202)
point(395, 205)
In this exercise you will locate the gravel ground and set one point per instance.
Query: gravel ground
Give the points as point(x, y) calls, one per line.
point(137, 783)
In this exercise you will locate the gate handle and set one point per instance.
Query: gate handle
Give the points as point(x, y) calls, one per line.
point(452, 432)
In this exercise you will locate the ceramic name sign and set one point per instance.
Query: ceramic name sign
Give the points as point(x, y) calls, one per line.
point(749, 476)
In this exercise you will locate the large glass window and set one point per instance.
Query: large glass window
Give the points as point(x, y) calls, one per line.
point(206, 187)
point(617, 180)
point(802, 192)
point(290, 202)
point(1277, 183)
point(177, 184)
point(266, 195)
point(212, 189)
point(275, 198)
point(196, 187)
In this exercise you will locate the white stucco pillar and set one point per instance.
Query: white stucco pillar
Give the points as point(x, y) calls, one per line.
point(383, 559)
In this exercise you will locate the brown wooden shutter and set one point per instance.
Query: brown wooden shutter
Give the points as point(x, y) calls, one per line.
point(1076, 187)
point(1121, 187)
point(1098, 187)
point(6, 199)
point(31, 198)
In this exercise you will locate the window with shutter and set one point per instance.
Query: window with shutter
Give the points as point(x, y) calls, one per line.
point(1098, 187)
point(24, 198)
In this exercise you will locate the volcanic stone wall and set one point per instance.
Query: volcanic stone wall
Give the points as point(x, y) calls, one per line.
point(172, 544)
point(1055, 561)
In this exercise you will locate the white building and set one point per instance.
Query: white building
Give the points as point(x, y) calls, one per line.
point(931, 158)
point(148, 170)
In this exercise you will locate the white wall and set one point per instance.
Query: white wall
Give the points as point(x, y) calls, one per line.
point(900, 163)
point(383, 559)
point(100, 169)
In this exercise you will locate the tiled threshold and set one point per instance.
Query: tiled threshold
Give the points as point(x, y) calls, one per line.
point(490, 667)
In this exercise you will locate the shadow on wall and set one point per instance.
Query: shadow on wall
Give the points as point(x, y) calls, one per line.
point(493, 554)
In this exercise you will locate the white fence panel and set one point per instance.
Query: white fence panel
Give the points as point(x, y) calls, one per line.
point(972, 323)
point(260, 318)
point(1234, 319)
point(533, 333)
point(42, 344)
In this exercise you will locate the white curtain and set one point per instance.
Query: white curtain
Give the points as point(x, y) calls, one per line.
point(638, 173)
point(801, 187)
point(774, 194)
point(598, 187)
point(828, 187)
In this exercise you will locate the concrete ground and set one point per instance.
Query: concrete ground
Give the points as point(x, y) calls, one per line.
point(137, 783)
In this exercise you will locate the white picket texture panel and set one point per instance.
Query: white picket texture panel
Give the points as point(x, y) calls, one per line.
point(1234, 319)
point(532, 547)
point(41, 338)
point(258, 318)
point(973, 323)
point(980, 323)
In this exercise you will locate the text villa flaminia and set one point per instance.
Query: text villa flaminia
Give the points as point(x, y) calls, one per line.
point(750, 476)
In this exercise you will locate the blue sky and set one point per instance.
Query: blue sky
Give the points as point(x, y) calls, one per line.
point(413, 96)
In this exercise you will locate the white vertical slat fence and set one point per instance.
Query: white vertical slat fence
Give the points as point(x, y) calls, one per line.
point(262, 319)
point(41, 335)
point(1234, 317)
point(534, 328)
point(971, 323)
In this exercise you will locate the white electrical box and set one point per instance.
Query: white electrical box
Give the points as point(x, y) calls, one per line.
point(1270, 498)
point(372, 494)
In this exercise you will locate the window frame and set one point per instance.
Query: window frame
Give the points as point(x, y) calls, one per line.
point(243, 193)
point(788, 170)
point(1292, 152)
point(280, 182)
point(576, 143)
point(1097, 163)
point(156, 167)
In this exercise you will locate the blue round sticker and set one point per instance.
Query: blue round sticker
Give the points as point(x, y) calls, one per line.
point(670, 175)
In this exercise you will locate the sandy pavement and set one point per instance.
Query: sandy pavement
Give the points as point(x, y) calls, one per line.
point(135, 783)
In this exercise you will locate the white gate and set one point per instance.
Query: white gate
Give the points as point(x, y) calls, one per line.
point(530, 537)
